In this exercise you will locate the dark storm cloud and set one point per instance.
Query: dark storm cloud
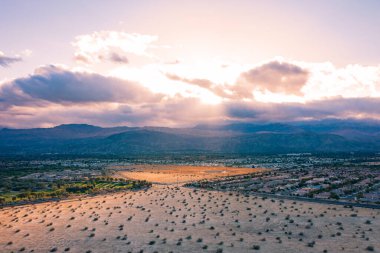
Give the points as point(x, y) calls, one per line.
point(58, 85)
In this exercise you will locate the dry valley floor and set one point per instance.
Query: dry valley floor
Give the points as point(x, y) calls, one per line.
point(167, 218)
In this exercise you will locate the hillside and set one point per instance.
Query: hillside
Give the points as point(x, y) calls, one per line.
point(245, 138)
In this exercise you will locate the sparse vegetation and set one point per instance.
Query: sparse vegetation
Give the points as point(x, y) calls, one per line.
point(176, 218)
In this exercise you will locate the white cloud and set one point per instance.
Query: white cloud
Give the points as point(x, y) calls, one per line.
point(282, 80)
point(185, 93)
point(351, 81)
point(27, 52)
point(112, 46)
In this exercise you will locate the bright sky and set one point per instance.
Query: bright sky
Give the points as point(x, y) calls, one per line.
point(180, 63)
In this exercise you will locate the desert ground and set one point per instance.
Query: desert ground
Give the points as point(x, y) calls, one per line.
point(171, 218)
point(168, 174)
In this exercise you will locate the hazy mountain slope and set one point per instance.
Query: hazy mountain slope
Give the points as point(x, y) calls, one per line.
point(233, 138)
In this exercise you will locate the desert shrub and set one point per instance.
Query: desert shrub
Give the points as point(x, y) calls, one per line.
point(256, 247)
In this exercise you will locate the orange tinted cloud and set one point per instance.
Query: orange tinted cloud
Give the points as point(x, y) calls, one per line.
point(277, 77)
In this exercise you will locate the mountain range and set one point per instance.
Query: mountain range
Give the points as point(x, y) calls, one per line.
point(232, 138)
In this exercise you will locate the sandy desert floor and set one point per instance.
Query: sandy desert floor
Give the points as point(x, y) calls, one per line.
point(166, 218)
point(168, 174)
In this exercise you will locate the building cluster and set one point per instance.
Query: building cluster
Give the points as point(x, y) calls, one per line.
point(64, 175)
point(335, 179)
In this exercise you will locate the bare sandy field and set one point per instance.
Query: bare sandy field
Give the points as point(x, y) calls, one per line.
point(166, 218)
point(168, 174)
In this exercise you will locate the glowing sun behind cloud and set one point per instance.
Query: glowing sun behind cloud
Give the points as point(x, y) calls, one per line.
point(180, 64)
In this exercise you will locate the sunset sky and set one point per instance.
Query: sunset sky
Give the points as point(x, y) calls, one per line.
point(181, 63)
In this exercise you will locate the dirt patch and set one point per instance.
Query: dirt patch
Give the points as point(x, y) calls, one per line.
point(170, 174)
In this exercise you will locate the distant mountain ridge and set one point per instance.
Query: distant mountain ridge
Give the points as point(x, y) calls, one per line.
point(243, 138)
